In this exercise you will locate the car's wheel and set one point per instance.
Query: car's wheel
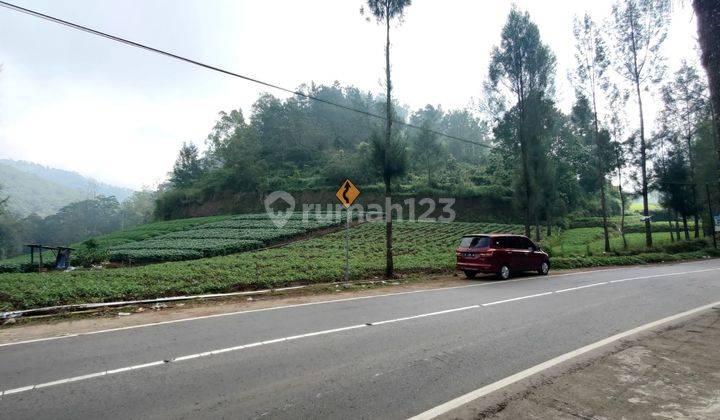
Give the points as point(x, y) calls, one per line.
point(470, 274)
point(504, 272)
point(544, 268)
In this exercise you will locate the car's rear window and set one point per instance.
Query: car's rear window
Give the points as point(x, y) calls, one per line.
point(475, 242)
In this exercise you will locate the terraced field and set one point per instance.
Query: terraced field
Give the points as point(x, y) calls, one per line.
point(138, 233)
point(185, 239)
point(234, 234)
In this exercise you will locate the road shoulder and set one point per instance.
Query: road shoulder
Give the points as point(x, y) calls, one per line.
point(671, 372)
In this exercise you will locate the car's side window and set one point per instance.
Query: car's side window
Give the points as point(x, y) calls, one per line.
point(500, 242)
point(527, 243)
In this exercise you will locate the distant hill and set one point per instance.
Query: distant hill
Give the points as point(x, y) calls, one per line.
point(38, 189)
point(69, 179)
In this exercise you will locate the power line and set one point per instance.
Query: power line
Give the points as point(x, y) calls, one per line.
point(220, 70)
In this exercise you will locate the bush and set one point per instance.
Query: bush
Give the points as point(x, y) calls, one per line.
point(639, 259)
point(685, 246)
point(154, 255)
point(90, 252)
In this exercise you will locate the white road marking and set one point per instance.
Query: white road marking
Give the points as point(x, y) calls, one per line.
point(351, 327)
point(580, 287)
point(487, 389)
point(497, 302)
point(447, 311)
point(663, 275)
point(174, 321)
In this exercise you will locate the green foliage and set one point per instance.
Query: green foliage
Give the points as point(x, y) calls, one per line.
point(396, 164)
point(383, 10)
point(89, 252)
point(187, 166)
point(639, 259)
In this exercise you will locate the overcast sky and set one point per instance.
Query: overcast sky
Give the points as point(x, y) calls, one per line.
point(79, 102)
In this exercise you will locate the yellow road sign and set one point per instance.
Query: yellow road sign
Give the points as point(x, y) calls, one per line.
point(347, 193)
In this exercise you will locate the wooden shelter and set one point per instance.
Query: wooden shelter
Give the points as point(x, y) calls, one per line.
point(62, 255)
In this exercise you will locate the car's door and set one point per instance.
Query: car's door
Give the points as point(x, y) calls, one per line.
point(501, 248)
point(533, 256)
point(522, 253)
point(515, 253)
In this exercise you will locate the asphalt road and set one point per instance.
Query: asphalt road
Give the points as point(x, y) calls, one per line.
point(323, 360)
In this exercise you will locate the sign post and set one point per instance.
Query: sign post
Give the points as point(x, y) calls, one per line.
point(347, 194)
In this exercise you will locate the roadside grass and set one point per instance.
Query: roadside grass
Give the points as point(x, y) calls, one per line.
point(589, 242)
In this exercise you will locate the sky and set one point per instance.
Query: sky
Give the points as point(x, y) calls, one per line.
point(118, 114)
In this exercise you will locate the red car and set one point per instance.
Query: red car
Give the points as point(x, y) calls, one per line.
point(501, 255)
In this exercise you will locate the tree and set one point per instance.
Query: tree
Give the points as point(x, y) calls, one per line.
point(708, 17)
point(591, 79)
point(397, 163)
point(385, 11)
point(672, 179)
point(187, 166)
point(639, 30)
point(617, 123)
point(684, 107)
point(137, 209)
point(426, 149)
point(462, 123)
point(522, 69)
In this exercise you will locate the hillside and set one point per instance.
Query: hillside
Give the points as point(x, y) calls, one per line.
point(69, 179)
point(32, 194)
point(42, 190)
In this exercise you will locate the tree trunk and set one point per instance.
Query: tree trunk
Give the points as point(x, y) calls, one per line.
point(537, 227)
point(526, 181)
point(672, 237)
point(622, 203)
point(677, 227)
point(708, 18)
point(388, 131)
point(548, 223)
point(685, 227)
point(643, 152)
point(429, 174)
point(643, 166)
point(600, 174)
point(388, 231)
point(604, 214)
point(696, 213)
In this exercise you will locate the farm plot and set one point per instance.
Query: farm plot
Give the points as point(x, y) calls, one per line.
point(236, 234)
point(418, 247)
